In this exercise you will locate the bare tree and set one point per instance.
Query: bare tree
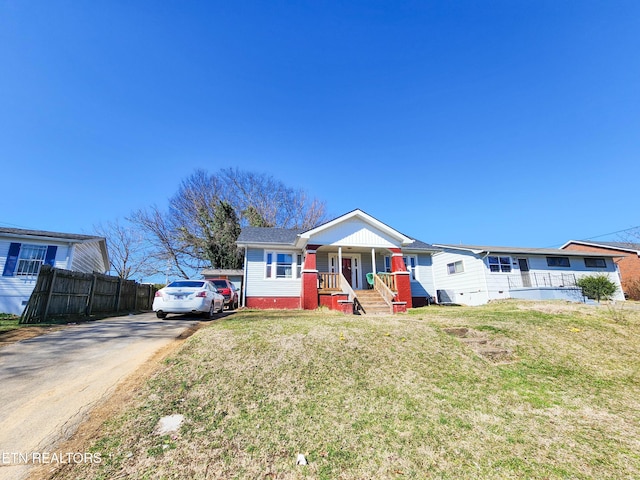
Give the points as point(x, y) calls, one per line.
point(186, 235)
point(163, 241)
point(128, 249)
point(277, 204)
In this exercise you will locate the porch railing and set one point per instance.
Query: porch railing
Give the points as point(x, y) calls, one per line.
point(389, 280)
point(538, 280)
point(329, 282)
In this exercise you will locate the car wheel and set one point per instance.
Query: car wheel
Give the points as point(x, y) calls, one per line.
point(212, 310)
point(161, 315)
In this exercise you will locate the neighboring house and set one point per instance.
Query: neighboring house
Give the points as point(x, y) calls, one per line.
point(474, 275)
point(628, 261)
point(353, 262)
point(23, 252)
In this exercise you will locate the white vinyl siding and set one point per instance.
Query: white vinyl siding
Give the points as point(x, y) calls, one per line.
point(87, 258)
point(258, 285)
point(468, 287)
point(15, 290)
point(355, 233)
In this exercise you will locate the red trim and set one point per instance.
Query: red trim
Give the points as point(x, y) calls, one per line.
point(399, 307)
point(403, 286)
point(265, 303)
point(326, 301)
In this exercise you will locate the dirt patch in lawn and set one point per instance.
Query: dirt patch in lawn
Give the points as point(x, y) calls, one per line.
point(25, 333)
point(494, 350)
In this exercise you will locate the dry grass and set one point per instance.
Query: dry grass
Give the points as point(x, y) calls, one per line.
point(389, 397)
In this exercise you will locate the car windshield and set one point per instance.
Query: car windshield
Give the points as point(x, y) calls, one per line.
point(186, 284)
point(220, 283)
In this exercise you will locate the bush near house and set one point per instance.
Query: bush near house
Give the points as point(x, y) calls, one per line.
point(597, 287)
point(632, 289)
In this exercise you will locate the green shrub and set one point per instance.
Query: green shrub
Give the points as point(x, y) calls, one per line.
point(597, 287)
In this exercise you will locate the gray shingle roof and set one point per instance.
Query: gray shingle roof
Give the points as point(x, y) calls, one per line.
point(43, 233)
point(268, 235)
point(419, 245)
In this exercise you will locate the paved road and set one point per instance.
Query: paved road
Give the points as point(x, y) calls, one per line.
point(49, 383)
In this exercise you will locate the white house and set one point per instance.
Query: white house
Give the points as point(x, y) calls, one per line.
point(473, 274)
point(352, 263)
point(23, 252)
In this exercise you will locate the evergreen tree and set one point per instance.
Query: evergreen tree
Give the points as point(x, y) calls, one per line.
point(222, 251)
point(255, 218)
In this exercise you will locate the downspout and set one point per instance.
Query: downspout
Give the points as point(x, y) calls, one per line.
point(244, 278)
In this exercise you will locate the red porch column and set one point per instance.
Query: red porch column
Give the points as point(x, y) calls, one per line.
point(402, 276)
point(310, 280)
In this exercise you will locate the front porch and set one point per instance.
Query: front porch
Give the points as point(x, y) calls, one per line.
point(336, 293)
point(350, 280)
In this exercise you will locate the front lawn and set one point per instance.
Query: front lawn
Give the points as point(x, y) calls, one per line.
point(507, 390)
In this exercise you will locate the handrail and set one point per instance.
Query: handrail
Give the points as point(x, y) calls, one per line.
point(383, 289)
point(346, 288)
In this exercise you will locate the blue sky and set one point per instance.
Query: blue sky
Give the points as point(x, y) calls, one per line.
point(491, 122)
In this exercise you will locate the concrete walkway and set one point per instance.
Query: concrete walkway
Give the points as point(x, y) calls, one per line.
point(48, 384)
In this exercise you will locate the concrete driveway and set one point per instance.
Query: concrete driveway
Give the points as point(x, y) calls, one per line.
point(48, 384)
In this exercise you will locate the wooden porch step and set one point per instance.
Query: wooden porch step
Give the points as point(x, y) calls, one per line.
point(372, 303)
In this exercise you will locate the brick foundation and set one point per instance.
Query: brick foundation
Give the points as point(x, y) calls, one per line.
point(286, 303)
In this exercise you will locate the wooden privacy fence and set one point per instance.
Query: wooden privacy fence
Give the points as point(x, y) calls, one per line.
point(63, 292)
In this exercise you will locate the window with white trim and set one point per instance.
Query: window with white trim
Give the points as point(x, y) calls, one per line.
point(282, 265)
point(31, 259)
point(387, 264)
point(499, 264)
point(455, 267)
point(411, 262)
